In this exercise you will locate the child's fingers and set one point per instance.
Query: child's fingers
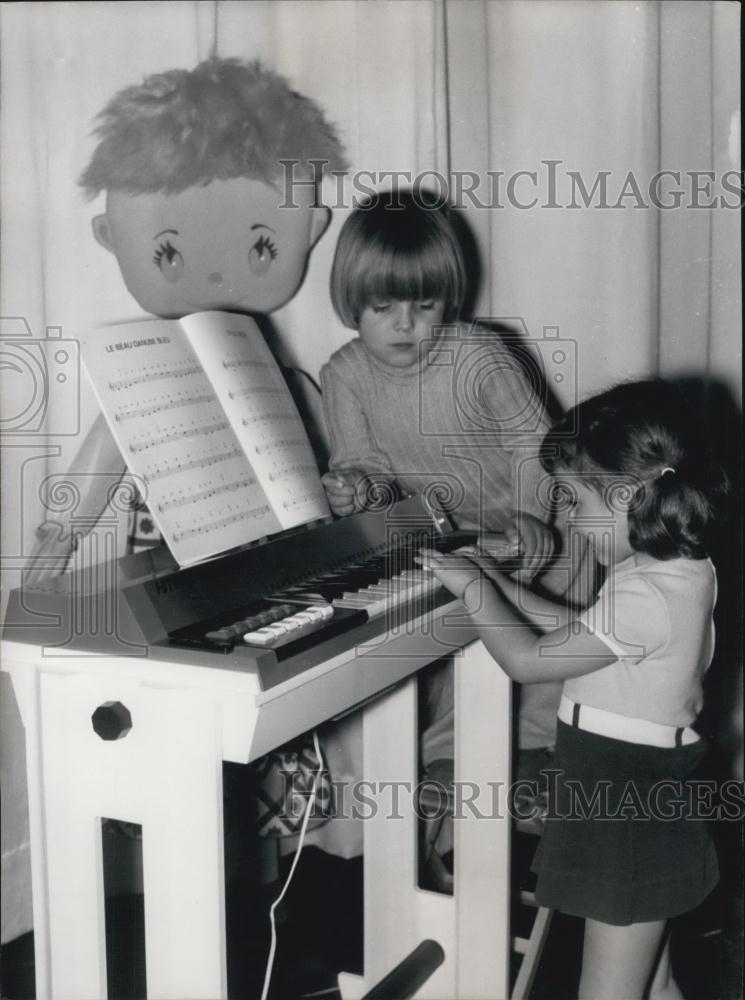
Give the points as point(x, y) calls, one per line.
point(341, 479)
point(515, 544)
point(500, 546)
point(538, 545)
point(341, 506)
point(426, 559)
point(339, 489)
point(485, 563)
point(432, 560)
point(336, 484)
point(342, 496)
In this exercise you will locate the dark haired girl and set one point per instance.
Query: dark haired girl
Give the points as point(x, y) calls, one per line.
point(622, 847)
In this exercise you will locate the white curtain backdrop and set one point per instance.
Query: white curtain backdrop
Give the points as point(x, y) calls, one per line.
point(413, 85)
point(598, 87)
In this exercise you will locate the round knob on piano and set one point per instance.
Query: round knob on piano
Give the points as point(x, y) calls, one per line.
point(112, 720)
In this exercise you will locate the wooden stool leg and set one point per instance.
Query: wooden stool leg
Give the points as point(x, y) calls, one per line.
point(483, 701)
point(533, 949)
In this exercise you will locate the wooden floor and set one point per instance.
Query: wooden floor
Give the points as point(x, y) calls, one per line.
point(319, 936)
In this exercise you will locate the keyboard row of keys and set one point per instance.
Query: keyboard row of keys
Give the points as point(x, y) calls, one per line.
point(384, 595)
point(375, 585)
point(333, 585)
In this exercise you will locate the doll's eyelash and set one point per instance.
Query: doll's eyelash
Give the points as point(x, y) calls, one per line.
point(265, 244)
point(167, 250)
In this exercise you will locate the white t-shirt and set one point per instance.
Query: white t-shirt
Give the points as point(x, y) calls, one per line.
point(656, 616)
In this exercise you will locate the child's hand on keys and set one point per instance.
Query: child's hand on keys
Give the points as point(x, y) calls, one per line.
point(536, 545)
point(490, 554)
point(454, 571)
point(340, 489)
point(499, 546)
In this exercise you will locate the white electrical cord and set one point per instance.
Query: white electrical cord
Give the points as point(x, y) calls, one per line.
point(293, 866)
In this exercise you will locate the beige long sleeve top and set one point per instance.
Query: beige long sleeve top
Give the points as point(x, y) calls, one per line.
point(465, 421)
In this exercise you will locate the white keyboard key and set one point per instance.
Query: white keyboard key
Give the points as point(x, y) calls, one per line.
point(278, 628)
point(356, 595)
point(292, 624)
point(326, 611)
point(261, 637)
point(303, 618)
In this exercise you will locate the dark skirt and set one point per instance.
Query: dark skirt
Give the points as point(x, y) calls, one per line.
point(625, 841)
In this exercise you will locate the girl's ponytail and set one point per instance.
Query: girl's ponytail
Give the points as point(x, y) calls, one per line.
point(678, 512)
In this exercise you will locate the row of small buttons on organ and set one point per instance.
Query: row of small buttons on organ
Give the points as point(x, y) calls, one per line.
point(230, 634)
point(388, 593)
point(263, 625)
point(290, 628)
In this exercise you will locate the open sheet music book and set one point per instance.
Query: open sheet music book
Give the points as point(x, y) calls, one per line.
point(204, 418)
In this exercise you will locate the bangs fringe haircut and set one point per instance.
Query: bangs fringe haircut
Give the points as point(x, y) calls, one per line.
point(409, 253)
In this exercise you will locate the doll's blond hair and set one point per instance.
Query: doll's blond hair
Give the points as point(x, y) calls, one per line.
point(223, 119)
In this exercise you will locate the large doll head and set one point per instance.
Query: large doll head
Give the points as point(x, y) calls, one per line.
point(198, 213)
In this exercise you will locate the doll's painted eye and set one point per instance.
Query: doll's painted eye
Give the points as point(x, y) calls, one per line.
point(261, 255)
point(169, 261)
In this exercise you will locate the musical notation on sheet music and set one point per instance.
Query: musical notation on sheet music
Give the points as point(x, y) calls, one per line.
point(180, 501)
point(164, 373)
point(256, 399)
point(257, 513)
point(291, 470)
point(203, 414)
point(164, 470)
point(179, 433)
point(159, 407)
